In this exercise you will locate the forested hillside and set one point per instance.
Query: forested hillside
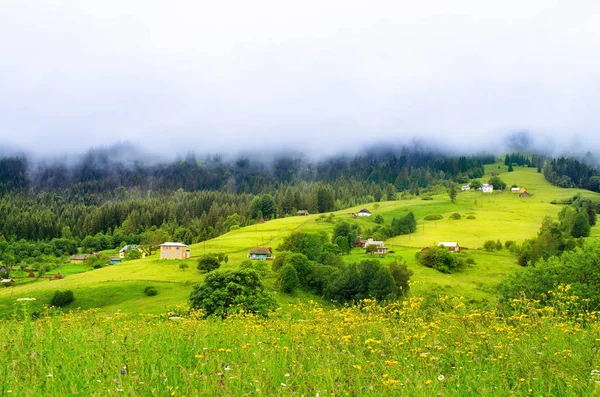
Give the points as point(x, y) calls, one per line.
point(99, 203)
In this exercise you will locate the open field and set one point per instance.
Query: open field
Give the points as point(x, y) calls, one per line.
point(502, 216)
point(410, 348)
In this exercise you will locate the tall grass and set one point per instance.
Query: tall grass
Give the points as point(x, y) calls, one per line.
point(405, 348)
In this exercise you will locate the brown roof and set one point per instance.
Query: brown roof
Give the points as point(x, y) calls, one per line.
point(78, 257)
point(261, 251)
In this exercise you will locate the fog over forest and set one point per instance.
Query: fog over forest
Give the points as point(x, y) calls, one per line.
point(314, 78)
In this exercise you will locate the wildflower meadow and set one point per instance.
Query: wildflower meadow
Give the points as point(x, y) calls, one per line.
point(407, 348)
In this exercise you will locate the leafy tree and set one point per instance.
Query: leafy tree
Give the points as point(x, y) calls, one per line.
point(378, 219)
point(452, 191)
point(267, 206)
point(401, 274)
point(371, 249)
point(346, 230)
point(581, 226)
point(499, 245)
point(261, 267)
point(230, 291)
point(441, 259)
point(489, 245)
point(208, 262)
point(497, 183)
point(342, 243)
point(133, 254)
point(475, 184)
point(280, 260)
point(577, 268)
point(288, 279)
point(309, 244)
point(367, 279)
point(590, 209)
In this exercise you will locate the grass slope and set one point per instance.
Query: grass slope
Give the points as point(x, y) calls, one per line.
point(503, 216)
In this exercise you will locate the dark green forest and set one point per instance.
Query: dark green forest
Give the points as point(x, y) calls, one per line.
point(98, 203)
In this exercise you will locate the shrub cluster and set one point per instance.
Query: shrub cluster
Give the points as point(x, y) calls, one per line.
point(62, 298)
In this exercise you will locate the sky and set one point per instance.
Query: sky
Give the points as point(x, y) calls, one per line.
point(313, 76)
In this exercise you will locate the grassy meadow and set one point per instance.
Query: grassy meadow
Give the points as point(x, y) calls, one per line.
point(447, 339)
point(444, 348)
point(503, 216)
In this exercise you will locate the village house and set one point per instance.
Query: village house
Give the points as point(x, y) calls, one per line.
point(302, 212)
point(7, 282)
point(363, 212)
point(465, 188)
point(450, 246)
point(381, 248)
point(487, 188)
point(170, 250)
point(359, 242)
point(260, 253)
point(78, 259)
point(525, 195)
point(130, 247)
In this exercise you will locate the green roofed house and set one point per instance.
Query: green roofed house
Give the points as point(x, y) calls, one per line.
point(265, 253)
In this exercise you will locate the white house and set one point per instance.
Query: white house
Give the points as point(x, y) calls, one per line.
point(465, 188)
point(486, 188)
point(363, 212)
point(130, 247)
point(450, 246)
point(381, 248)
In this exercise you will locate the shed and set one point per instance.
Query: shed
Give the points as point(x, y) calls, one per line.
point(525, 195)
point(7, 282)
point(302, 213)
point(260, 253)
point(363, 212)
point(450, 246)
point(78, 258)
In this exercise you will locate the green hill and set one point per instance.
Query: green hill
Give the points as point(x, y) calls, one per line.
point(503, 216)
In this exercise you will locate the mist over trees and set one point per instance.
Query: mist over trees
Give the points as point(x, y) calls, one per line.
point(109, 202)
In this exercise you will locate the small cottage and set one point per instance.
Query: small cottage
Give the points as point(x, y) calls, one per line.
point(264, 253)
point(525, 195)
point(302, 213)
point(363, 212)
point(170, 250)
point(77, 259)
point(465, 188)
point(7, 282)
point(486, 188)
point(381, 248)
point(450, 246)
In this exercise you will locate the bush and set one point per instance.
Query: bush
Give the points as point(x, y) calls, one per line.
point(183, 266)
point(288, 279)
point(208, 262)
point(378, 219)
point(150, 291)
point(133, 254)
point(489, 245)
point(471, 217)
point(441, 259)
point(261, 267)
point(433, 217)
point(499, 245)
point(61, 299)
point(455, 216)
point(230, 291)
